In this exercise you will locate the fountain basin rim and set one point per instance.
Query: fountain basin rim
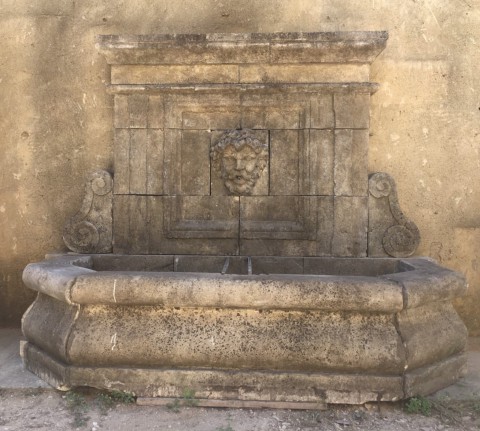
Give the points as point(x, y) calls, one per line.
point(71, 279)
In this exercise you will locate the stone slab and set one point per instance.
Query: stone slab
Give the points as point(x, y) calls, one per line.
point(351, 162)
point(435, 321)
point(175, 224)
point(174, 74)
point(13, 374)
point(302, 73)
point(350, 226)
point(219, 384)
point(328, 47)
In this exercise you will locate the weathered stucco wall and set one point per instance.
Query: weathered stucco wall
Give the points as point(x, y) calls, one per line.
point(56, 119)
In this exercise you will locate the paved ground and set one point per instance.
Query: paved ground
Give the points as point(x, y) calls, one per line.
point(26, 402)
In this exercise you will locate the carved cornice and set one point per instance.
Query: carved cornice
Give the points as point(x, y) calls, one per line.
point(218, 48)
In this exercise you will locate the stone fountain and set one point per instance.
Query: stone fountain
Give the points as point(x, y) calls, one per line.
point(242, 251)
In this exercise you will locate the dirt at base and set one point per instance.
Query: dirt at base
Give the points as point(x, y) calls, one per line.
point(50, 410)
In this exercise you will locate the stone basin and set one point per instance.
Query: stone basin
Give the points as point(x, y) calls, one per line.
point(306, 330)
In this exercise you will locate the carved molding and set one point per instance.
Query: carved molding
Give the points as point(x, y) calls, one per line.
point(240, 158)
point(390, 232)
point(90, 230)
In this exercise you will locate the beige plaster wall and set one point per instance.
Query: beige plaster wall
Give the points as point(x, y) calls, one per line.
point(55, 118)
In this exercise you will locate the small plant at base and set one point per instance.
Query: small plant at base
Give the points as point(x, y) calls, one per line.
point(78, 406)
point(419, 405)
point(189, 398)
point(106, 400)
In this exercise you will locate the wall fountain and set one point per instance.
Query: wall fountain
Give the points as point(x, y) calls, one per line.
point(241, 250)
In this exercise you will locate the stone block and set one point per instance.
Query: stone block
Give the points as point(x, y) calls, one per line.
point(434, 283)
point(218, 48)
point(57, 322)
point(322, 114)
point(301, 162)
point(172, 161)
point(138, 161)
point(286, 161)
point(362, 267)
point(121, 117)
point(325, 225)
point(302, 389)
point(138, 111)
point(317, 178)
point(430, 378)
point(155, 161)
point(193, 168)
point(160, 224)
point(277, 265)
point(211, 264)
point(350, 226)
point(201, 217)
point(174, 74)
point(233, 338)
point(138, 158)
point(431, 333)
point(278, 225)
point(261, 110)
point(211, 118)
point(300, 73)
point(277, 247)
point(115, 262)
point(279, 217)
point(209, 111)
point(352, 110)
point(156, 112)
point(351, 162)
point(121, 161)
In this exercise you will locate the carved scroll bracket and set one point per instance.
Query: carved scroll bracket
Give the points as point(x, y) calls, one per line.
point(90, 230)
point(389, 231)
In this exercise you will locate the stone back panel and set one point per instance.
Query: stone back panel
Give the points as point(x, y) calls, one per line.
point(310, 196)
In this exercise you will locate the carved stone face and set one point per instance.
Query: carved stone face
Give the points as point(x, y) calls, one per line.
point(240, 157)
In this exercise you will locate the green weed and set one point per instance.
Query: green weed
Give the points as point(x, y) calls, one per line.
point(188, 400)
point(419, 405)
point(106, 400)
point(78, 407)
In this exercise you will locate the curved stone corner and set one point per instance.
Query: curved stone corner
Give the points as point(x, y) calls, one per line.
point(90, 230)
point(390, 233)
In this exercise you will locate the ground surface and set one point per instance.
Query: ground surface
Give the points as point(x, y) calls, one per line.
point(40, 409)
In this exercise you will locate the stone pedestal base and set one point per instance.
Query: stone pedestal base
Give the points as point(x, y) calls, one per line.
point(308, 390)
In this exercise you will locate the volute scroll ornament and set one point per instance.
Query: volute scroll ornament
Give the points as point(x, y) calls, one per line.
point(390, 231)
point(90, 230)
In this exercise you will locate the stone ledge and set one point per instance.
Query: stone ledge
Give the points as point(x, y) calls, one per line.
point(250, 385)
point(70, 279)
point(321, 47)
point(269, 88)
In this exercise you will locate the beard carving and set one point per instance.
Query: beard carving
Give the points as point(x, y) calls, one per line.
point(240, 158)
